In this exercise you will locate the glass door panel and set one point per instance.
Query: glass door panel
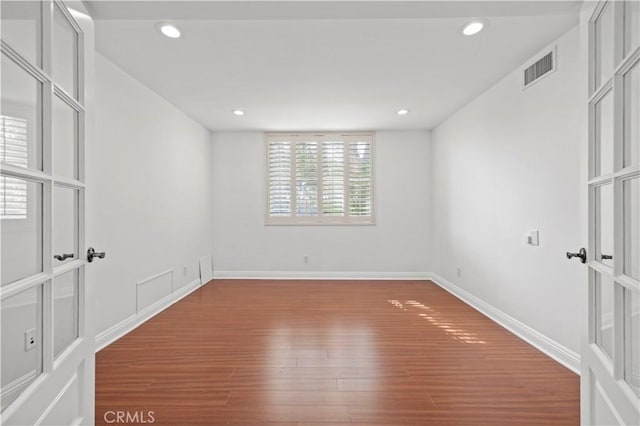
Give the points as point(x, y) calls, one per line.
point(631, 87)
point(603, 34)
point(20, 117)
point(604, 224)
point(604, 135)
point(631, 26)
point(632, 339)
point(21, 342)
point(631, 227)
point(604, 313)
point(65, 60)
point(65, 139)
point(65, 311)
point(20, 27)
point(65, 225)
point(21, 208)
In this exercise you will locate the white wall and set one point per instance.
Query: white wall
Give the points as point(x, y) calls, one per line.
point(151, 186)
point(508, 162)
point(397, 245)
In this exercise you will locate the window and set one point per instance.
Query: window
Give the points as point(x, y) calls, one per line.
point(13, 151)
point(319, 178)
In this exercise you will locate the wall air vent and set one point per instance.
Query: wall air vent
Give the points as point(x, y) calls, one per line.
point(542, 67)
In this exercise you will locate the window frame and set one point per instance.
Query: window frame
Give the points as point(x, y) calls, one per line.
point(320, 219)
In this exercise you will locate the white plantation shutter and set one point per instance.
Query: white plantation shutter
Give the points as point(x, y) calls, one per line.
point(360, 188)
point(316, 179)
point(279, 178)
point(333, 178)
point(13, 150)
point(13, 141)
point(306, 178)
point(13, 198)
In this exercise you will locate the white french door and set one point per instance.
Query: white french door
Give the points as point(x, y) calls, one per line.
point(47, 367)
point(610, 379)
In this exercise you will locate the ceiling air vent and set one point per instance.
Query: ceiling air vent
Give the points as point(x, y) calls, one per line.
point(542, 67)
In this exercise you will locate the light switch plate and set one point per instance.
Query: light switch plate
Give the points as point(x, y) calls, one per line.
point(533, 237)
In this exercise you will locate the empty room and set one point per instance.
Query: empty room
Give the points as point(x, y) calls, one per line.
point(316, 212)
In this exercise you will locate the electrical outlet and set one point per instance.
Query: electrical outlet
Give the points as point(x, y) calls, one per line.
point(184, 271)
point(459, 271)
point(306, 259)
point(30, 339)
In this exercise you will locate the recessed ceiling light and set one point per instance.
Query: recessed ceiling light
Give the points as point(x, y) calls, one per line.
point(402, 112)
point(169, 30)
point(238, 112)
point(473, 27)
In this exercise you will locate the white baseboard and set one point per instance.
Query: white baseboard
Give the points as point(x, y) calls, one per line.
point(115, 332)
point(550, 347)
point(319, 275)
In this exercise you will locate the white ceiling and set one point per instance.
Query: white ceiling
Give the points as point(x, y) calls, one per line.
point(320, 65)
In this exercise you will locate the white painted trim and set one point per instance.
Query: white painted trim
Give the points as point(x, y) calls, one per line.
point(118, 330)
point(153, 277)
point(319, 275)
point(610, 405)
point(57, 399)
point(19, 384)
point(550, 347)
point(147, 281)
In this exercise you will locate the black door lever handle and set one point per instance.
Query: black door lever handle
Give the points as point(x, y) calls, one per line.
point(581, 254)
point(63, 256)
point(92, 253)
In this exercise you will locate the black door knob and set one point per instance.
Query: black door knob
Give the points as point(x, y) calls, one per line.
point(581, 254)
point(92, 253)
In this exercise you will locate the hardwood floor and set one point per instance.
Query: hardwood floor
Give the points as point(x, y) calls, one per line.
point(330, 352)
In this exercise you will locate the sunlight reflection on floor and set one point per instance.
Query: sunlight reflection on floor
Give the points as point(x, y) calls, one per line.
point(435, 318)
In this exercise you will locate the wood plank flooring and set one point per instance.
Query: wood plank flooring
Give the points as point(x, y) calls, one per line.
point(300, 353)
